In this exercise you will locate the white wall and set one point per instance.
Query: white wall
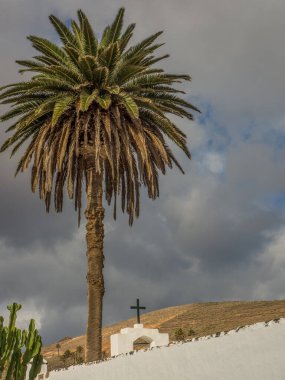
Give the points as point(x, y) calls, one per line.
point(254, 353)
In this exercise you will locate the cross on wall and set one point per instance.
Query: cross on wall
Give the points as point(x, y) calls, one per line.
point(138, 308)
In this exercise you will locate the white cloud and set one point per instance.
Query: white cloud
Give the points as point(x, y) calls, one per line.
point(215, 162)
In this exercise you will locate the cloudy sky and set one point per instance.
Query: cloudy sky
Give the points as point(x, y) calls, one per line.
point(216, 233)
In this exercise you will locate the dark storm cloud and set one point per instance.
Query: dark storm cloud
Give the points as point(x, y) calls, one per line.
point(52, 277)
point(24, 220)
point(215, 233)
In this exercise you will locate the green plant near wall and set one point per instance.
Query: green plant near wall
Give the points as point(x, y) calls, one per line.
point(179, 334)
point(18, 348)
point(66, 356)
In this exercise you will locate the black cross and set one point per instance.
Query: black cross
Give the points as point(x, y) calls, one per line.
point(138, 308)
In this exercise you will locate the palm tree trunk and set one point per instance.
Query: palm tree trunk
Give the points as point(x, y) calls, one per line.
point(4, 373)
point(95, 259)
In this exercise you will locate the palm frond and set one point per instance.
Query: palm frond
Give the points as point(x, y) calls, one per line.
point(77, 32)
point(126, 36)
point(91, 42)
point(48, 48)
point(116, 27)
point(61, 106)
point(64, 33)
point(130, 105)
point(109, 57)
point(131, 54)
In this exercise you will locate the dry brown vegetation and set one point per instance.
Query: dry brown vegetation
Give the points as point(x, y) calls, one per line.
point(203, 318)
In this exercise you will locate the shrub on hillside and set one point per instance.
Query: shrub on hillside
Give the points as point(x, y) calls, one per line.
point(179, 334)
point(80, 360)
point(66, 356)
point(191, 332)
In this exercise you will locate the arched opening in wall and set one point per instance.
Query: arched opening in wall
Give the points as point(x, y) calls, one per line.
point(142, 343)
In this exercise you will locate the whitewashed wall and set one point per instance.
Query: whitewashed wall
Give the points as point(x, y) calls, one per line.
point(253, 353)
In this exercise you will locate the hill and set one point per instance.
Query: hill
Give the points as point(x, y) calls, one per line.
point(203, 318)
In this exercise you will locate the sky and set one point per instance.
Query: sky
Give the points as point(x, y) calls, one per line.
point(216, 233)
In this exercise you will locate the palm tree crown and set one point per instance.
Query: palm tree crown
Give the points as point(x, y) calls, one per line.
point(99, 99)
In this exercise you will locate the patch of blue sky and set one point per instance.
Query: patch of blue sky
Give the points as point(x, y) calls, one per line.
point(274, 138)
point(263, 133)
point(274, 201)
point(218, 136)
point(206, 111)
point(67, 22)
point(247, 132)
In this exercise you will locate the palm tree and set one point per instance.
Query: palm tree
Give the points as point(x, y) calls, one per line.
point(58, 347)
point(79, 351)
point(95, 112)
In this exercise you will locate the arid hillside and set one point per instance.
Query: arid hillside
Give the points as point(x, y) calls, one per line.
point(198, 319)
